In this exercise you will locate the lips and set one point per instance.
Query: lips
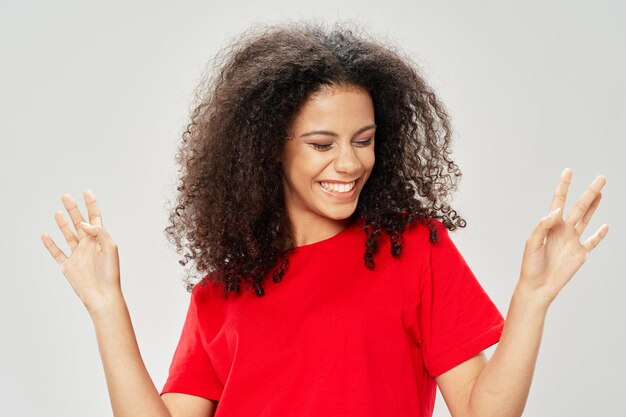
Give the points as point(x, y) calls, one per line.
point(339, 182)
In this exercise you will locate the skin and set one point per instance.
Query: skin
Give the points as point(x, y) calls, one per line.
point(477, 387)
point(341, 151)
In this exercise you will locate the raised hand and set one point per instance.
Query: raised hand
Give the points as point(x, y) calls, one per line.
point(92, 269)
point(553, 252)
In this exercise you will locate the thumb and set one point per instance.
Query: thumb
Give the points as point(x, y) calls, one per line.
point(100, 234)
point(538, 235)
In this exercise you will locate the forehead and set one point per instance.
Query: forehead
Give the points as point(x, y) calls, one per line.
point(335, 108)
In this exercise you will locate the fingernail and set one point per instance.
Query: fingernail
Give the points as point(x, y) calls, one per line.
point(85, 224)
point(555, 212)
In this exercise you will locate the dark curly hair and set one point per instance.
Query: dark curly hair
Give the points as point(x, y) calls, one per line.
point(229, 216)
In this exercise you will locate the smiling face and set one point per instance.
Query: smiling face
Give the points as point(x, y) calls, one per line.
point(329, 155)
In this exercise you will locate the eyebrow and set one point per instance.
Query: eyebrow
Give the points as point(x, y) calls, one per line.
point(329, 133)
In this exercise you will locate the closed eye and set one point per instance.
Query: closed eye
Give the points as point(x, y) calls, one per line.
point(365, 142)
point(321, 147)
point(326, 146)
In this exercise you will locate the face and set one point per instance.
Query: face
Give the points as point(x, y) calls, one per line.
point(329, 154)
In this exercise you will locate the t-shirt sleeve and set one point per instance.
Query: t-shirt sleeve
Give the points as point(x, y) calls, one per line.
point(191, 371)
point(456, 316)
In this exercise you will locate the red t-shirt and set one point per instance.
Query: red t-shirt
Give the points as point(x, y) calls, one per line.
point(334, 338)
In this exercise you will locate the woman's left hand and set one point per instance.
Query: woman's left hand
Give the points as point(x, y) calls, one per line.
point(553, 252)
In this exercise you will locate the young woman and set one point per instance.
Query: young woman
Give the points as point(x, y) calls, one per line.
point(314, 179)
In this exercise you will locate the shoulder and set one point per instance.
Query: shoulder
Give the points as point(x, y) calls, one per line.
point(415, 239)
point(207, 288)
point(426, 231)
point(427, 240)
point(210, 303)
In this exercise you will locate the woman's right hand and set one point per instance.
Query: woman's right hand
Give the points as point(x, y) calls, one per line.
point(93, 268)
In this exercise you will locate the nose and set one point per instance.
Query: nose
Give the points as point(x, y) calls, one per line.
point(347, 161)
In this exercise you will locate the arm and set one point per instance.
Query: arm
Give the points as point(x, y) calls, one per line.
point(131, 389)
point(500, 386)
point(503, 385)
point(552, 256)
point(92, 270)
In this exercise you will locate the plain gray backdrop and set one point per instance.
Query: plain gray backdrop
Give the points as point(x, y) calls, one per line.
point(95, 95)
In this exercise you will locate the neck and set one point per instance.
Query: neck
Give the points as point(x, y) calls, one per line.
point(310, 229)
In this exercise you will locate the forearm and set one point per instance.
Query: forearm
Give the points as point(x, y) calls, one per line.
point(502, 387)
point(131, 390)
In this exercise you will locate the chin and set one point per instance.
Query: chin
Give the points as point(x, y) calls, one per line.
point(339, 213)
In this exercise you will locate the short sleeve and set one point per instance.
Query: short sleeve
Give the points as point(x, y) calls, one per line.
point(191, 371)
point(456, 316)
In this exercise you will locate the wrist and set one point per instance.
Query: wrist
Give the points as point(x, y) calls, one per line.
point(107, 306)
point(531, 297)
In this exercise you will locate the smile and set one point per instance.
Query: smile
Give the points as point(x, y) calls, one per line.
point(338, 187)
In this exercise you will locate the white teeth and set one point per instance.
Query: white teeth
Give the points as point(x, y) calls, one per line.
point(338, 188)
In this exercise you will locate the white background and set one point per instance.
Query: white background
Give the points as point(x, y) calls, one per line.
point(95, 95)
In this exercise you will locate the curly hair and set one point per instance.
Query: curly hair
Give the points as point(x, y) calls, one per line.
point(229, 215)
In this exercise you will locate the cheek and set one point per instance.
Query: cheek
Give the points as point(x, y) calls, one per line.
point(368, 162)
point(304, 169)
point(310, 165)
point(369, 159)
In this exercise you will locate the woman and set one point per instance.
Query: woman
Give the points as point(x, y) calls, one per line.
point(320, 158)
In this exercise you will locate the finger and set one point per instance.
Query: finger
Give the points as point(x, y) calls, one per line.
point(101, 235)
point(68, 233)
point(593, 240)
point(582, 224)
point(581, 205)
point(74, 212)
point(560, 195)
point(92, 208)
point(54, 250)
point(538, 235)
